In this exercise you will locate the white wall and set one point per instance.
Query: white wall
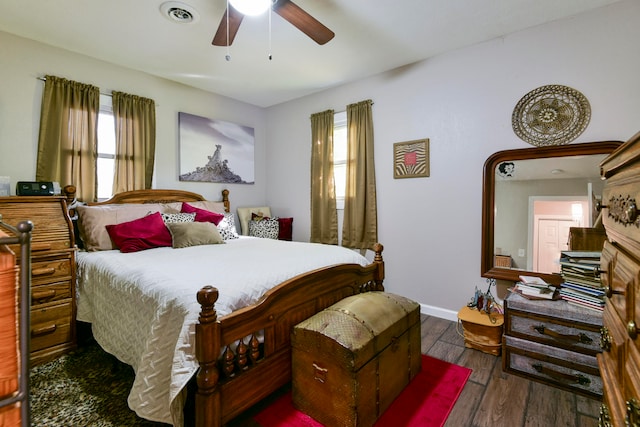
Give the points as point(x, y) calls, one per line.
point(21, 93)
point(462, 101)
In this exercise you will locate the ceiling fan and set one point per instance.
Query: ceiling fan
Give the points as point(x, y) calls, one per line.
point(285, 8)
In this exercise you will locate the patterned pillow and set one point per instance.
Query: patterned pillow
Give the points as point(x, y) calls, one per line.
point(227, 227)
point(178, 217)
point(267, 228)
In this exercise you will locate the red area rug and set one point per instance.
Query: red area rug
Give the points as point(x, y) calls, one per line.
point(427, 400)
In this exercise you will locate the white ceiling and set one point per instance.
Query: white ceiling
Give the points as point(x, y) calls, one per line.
point(372, 36)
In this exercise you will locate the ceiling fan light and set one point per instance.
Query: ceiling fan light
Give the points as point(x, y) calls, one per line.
point(251, 7)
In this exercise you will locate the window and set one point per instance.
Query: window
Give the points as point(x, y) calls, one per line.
point(106, 148)
point(340, 156)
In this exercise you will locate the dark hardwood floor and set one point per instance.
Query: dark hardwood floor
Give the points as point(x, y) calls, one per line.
point(494, 398)
point(491, 397)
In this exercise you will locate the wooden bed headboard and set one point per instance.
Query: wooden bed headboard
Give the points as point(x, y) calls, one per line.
point(151, 196)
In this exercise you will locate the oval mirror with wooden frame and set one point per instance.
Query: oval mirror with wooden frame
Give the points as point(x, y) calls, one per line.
point(530, 199)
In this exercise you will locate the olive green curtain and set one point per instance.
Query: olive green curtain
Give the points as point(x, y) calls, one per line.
point(324, 216)
point(135, 121)
point(360, 227)
point(67, 142)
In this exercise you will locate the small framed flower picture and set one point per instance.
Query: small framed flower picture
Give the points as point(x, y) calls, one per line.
point(411, 159)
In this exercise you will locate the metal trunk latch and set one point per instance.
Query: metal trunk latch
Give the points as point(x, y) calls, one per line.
point(319, 373)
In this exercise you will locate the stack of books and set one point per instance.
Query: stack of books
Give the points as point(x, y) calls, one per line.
point(581, 285)
point(533, 287)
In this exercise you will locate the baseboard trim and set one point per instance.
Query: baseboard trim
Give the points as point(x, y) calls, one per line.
point(442, 313)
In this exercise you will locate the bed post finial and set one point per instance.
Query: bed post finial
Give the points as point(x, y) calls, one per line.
point(207, 350)
point(377, 259)
point(69, 192)
point(225, 200)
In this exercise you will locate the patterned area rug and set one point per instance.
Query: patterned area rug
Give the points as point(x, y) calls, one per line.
point(85, 388)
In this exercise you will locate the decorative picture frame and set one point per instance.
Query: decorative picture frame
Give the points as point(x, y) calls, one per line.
point(411, 159)
point(214, 150)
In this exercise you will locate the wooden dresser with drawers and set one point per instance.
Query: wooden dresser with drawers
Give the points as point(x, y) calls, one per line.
point(52, 272)
point(620, 360)
point(552, 342)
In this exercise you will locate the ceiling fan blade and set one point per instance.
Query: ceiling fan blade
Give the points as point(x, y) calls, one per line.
point(303, 21)
point(235, 18)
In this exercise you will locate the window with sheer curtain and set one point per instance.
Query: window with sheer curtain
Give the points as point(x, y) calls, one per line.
point(87, 141)
point(344, 176)
point(340, 156)
point(105, 166)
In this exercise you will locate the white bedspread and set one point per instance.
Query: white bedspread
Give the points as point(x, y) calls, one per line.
point(143, 306)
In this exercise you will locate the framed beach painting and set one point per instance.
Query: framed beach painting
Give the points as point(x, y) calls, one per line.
point(411, 159)
point(215, 150)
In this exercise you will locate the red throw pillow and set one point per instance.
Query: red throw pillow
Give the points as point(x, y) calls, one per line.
point(202, 215)
point(140, 234)
point(286, 229)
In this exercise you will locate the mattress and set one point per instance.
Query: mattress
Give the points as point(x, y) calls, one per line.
point(143, 308)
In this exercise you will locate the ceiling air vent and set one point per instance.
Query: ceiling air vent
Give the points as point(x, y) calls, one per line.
point(179, 12)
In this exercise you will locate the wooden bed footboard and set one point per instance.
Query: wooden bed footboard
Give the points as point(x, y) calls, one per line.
point(255, 341)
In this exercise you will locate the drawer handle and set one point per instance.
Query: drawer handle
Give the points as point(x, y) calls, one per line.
point(631, 212)
point(633, 413)
point(44, 271)
point(609, 292)
point(43, 330)
point(40, 295)
point(605, 339)
point(604, 418)
point(570, 378)
point(38, 247)
point(579, 338)
point(632, 329)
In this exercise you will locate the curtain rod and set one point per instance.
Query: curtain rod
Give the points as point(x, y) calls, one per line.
point(43, 79)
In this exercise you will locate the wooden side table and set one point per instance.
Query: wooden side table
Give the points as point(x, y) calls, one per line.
point(553, 342)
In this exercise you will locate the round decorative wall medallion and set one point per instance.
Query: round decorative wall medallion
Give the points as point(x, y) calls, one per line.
point(551, 115)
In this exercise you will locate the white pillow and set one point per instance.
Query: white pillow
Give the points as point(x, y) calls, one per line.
point(244, 216)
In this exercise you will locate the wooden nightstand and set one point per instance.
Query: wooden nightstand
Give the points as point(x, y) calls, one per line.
point(53, 272)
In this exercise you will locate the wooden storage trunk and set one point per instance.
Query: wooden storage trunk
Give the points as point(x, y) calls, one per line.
point(351, 360)
point(481, 331)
